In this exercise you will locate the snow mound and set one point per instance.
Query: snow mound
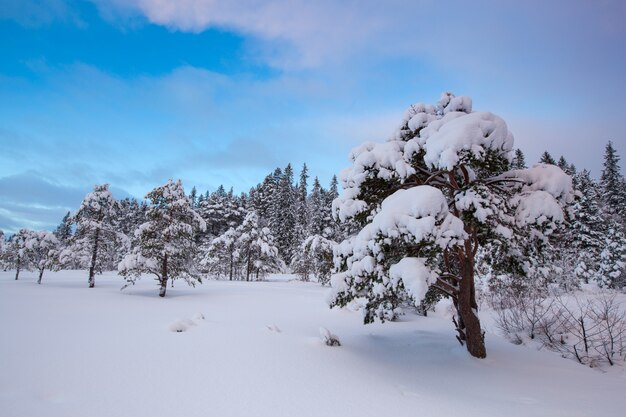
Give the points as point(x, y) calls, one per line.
point(180, 326)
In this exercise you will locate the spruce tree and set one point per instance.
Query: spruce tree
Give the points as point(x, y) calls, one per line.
point(302, 208)
point(166, 246)
point(519, 160)
point(613, 185)
point(585, 238)
point(546, 158)
point(612, 271)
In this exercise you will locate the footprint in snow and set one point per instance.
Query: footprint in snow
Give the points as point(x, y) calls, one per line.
point(273, 328)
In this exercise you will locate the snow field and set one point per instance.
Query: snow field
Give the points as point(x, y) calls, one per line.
point(67, 350)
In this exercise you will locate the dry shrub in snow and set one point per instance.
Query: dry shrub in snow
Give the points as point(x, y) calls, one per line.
point(590, 328)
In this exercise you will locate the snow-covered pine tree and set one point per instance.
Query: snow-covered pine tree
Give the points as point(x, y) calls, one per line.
point(546, 158)
point(193, 196)
point(256, 249)
point(302, 207)
point(587, 228)
point(166, 245)
point(568, 168)
point(427, 200)
point(317, 209)
point(613, 185)
point(63, 232)
point(519, 160)
point(283, 217)
point(43, 251)
point(314, 258)
point(222, 256)
point(97, 236)
point(612, 271)
point(16, 256)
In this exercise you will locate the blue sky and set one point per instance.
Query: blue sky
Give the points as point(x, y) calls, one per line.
point(134, 92)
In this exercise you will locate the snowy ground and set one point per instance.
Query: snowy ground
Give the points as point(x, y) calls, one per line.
point(67, 350)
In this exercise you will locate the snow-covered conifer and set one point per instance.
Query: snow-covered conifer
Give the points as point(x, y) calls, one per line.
point(222, 256)
point(546, 158)
point(283, 217)
point(257, 251)
point(612, 271)
point(613, 185)
point(302, 207)
point(519, 160)
point(166, 241)
point(427, 200)
point(42, 248)
point(16, 256)
point(314, 258)
point(585, 234)
point(96, 237)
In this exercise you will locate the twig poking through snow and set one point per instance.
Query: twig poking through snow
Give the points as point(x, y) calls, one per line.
point(328, 338)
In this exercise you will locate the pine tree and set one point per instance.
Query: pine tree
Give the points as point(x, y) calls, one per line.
point(302, 208)
point(314, 258)
point(43, 250)
point(63, 232)
point(283, 216)
point(96, 234)
point(16, 256)
point(221, 257)
point(427, 200)
point(519, 160)
point(613, 185)
point(546, 158)
point(193, 196)
point(166, 246)
point(317, 209)
point(585, 238)
point(257, 252)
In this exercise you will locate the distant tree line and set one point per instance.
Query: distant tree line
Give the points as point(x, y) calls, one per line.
point(173, 235)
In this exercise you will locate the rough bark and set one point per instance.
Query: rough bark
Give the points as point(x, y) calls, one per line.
point(94, 258)
point(17, 269)
point(468, 324)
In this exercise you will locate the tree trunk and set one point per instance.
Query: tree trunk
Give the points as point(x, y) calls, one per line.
point(94, 257)
point(468, 324)
point(163, 277)
point(232, 260)
point(18, 265)
point(40, 275)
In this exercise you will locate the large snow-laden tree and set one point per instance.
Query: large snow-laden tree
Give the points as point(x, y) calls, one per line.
point(166, 242)
point(97, 236)
point(426, 201)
